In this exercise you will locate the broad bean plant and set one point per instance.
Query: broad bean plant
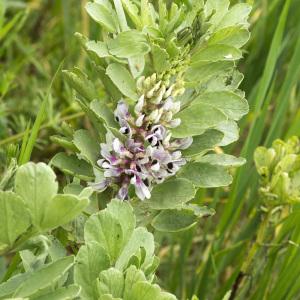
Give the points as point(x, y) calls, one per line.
point(153, 140)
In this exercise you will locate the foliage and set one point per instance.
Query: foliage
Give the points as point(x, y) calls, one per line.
point(57, 244)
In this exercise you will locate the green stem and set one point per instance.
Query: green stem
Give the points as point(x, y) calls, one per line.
point(246, 266)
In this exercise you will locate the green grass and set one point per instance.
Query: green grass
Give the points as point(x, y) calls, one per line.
point(37, 35)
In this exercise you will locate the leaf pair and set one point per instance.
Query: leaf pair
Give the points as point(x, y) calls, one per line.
point(35, 203)
point(118, 258)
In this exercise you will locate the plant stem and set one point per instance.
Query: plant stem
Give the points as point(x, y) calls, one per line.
point(246, 266)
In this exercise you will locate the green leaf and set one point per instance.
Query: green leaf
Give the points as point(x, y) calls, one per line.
point(206, 175)
point(178, 220)
point(44, 277)
point(230, 130)
point(80, 83)
point(14, 218)
point(90, 261)
point(111, 282)
point(87, 145)
point(232, 36)
point(36, 184)
point(171, 194)
point(63, 209)
point(8, 287)
point(201, 71)
point(196, 119)
point(133, 275)
point(71, 165)
point(217, 52)
point(64, 293)
point(123, 212)
point(231, 104)
point(99, 48)
point(237, 15)
point(107, 231)
point(128, 44)
point(133, 12)
point(225, 160)
point(104, 113)
point(160, 59)
point(101, 14)
point(204, 142)
point(140, 238)
point(122, 79)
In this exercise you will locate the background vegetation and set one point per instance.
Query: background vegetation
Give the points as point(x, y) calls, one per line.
point(36, 42)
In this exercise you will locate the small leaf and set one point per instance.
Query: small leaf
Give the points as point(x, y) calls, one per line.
point(111, 282)
point(237, 15)
point(64, 293)
point(71, 165)
point(204, 142)
point(122, 79)
point(206, 175)
point(99, 48)
point(217, 52)
point(160, 59)
point(14, 218)
point(44, 277)
point(175, 220)
point(104, 113)
point(37, 185)
point(80, 83)
point(103, 16)
point(107, 231)
point(128, 44)
point(90, 261)
point(230, 130)
point(140, 238)
point(63, 209)
point(231, 104)
point(201, 71)
point(123, 212)
point(225, 160)
point(171, 194)
point(233, 36)
point(196, 119)
point(87, 145)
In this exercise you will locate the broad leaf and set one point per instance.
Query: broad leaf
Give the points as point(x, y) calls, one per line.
point(122, 79)
point(90, 261)
point(139, 238)
point(231, 104)
point(14, 218)
point(74, 166)
point(206, 175)
point(171, 194)
point(44, 277)
point(230, 130)
point(64, 293)
point(36, 184)
point(63, 209)
point(87, 145)
point(204, 142)
point(178, 220)
point(128, 44)
point(196, 119)
point(111, 281)
point(217, 52)
point(232, 36)
point(225, 160)
point(103, 16)
point(105, 229)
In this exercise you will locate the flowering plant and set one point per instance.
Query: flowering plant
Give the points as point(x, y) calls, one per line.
point(171, 101)
point(172, 96)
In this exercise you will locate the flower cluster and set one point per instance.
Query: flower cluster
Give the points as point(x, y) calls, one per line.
point(148, 155)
